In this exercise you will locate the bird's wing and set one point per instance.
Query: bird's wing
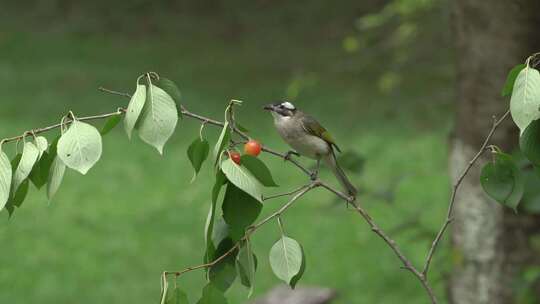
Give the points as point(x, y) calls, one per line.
point(313, 127)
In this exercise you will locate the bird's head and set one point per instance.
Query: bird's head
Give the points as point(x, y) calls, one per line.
point(281, 109)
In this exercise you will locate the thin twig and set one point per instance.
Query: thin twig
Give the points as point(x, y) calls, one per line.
point(67, 121)
point(455, 188)
point(249, 231)
point(265, 198)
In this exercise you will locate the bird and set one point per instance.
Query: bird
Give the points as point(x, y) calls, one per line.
point(308, 138)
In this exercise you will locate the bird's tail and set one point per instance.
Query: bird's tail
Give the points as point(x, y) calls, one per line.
point(331, 162)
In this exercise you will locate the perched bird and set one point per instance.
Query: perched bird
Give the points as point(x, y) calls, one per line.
point(308, 138)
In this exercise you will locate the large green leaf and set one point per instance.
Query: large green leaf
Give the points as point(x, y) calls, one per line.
point(170, 88)
point(502, 180)
point(209, 227)
point(40, 172)
point(56, 175)
point(158, 118)
point(511, 79)
point(80, 146)
point(242, 178)
point(5, 178)
point(134, 109)
point(223, 274)
point(259, 170)
point(197, 153)
point(212, 295)
point(529, 142)
point(28, 160)
point(111, 123)
point(239, 210)
point(19, 196)
point(246, 266)
point(223, 140)
point(14, 164)
point(525, 101)
point(297, 277)
point(286, 258)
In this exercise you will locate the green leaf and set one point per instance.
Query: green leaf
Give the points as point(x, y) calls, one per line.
point(529, 142)
point(525, 101)
point(20, 195)
point(134, 109)
point(14, 164)
point(286, 258)
point(176, 296)
point(242, 179)
point(212, 295)
point(259, 170)
point(6, 174)
point(28, 159)
point(531, 196)
point(223, 140)
point(80, 147)
point(111, 123)
point(197, 154)
point(42, 144)
point(56, 175)
point(170, 88)
point(158, 119)
point(209, 227)
point(40, 172)
point(297, 277)
point(246, 266)
point(239, 211)
point(511, 79)
point(223, 274)
point(502, 180)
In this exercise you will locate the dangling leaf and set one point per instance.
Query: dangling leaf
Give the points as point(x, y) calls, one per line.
point(5, 178)
point(259, 170)
point(529, 142)
point(246, 266)
point(223, 140)
point(502, 180)
point(242, 179)
point(525, 101)
point(28, 159)
point(80, 147)
point(223, 274)
point(239, 211)
point(56, 175)
point(209, 227)
point(42, 144)
point(212, 295)
point(134, 109)
point(158, 118)
point(14, 164)
point(40, 172)
point(297, 277)
point(197, 154)
point(170, 88)
point(286, 258)
point(20, 195)
point(511, 79)
point(111, 123)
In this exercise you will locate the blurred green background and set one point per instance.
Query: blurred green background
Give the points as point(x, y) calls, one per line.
point(378, 74)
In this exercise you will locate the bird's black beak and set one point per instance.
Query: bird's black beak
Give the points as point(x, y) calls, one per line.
point(269, 107)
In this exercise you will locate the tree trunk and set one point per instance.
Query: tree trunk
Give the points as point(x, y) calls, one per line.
point(490, 243)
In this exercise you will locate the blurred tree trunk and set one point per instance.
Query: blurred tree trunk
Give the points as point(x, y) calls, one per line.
point(490, 244)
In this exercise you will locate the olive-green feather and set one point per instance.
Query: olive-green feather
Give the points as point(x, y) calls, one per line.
point(313, 127)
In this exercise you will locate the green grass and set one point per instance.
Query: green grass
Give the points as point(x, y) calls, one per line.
point(107, 236)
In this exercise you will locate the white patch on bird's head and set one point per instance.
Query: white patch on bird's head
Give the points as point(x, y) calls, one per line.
point(288, 105)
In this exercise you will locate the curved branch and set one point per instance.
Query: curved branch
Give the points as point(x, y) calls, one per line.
point(455, 188)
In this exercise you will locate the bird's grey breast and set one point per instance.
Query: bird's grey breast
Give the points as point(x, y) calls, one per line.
point(293, 132)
